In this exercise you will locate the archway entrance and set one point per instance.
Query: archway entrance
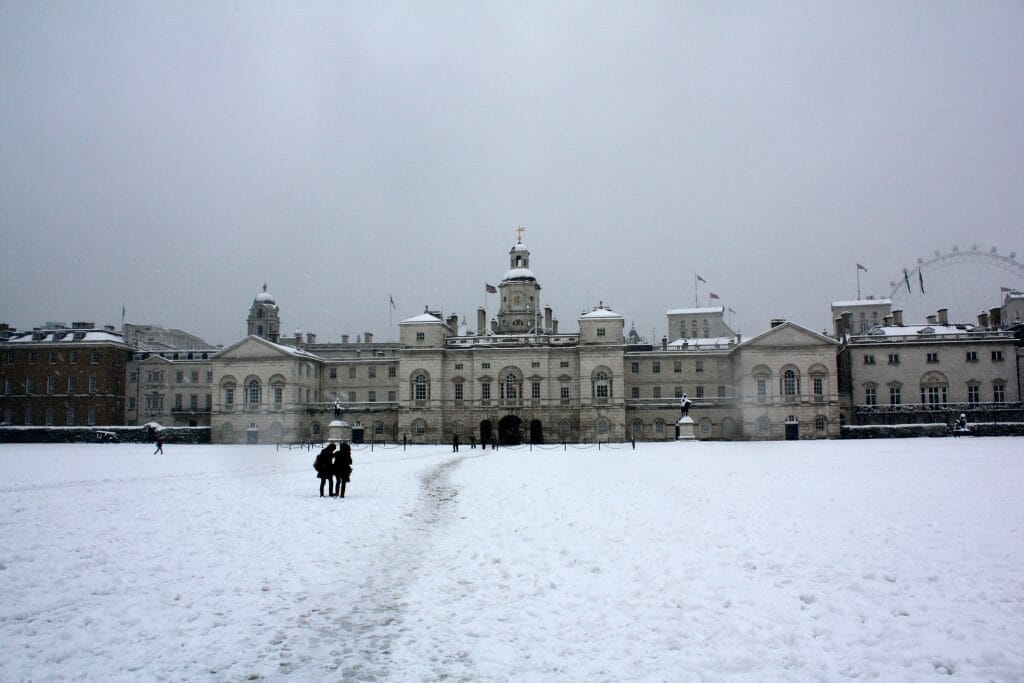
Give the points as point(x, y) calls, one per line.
point(792, 429)
point(510, 431)
point(536, 432)
point(485, 433)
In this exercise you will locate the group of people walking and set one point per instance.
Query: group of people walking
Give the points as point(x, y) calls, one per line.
point(334, 464)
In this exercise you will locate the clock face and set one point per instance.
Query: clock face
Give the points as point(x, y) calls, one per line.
point(517, 299)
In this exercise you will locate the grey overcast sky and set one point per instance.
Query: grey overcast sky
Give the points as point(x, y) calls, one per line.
point(172, 157)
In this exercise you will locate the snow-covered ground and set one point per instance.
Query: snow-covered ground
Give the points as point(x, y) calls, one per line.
point(893, 560)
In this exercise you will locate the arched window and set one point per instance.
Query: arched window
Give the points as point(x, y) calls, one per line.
point(659, 426)
point(820, 423)
point(728, 427)
point(316, 428)
point(934, 389)
point(602, 426)
point(705, 426)
point(637, 429)
point(378, 428)
point(601, 384)
point(511, 386)
point(419, 427)
point(564, 428)
point(227, 433)
point(762, 425)
point(252, 396)
point(790, 382)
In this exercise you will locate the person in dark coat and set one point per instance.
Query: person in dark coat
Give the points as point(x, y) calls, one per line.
point(324, 471)
point(343, 468)
point(455, 443)
point(159, 445)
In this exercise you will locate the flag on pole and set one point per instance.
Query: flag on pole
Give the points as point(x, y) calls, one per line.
point(920, 280)
point(731, 311)
point(713, 295)
point(700, 279)
point(906, 279)
point(392, 300)
point(490, 289)
point(860, 267)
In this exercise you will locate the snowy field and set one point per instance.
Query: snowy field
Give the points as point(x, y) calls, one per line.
point(889, 560)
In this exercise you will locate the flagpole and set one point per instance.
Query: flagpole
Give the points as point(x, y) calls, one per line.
point(858, 282)
point(695, 276)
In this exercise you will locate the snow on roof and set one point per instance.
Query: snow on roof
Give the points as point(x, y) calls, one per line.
point(700, 342)
point(601, 313)
point(422, 318)
point(519, 274)
point(519, 246)
point(910, 330)
point(695, 311)
point(68, 336)
point(861, 302)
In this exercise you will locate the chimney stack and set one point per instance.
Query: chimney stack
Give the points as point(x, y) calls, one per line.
point(547, 319)
point(996, 318)
point(344, 339)
point(481, 321)
point(664, 343)
point(310, 338)
point(983, 319)
point(932, 320)
point(847, 323)
point(888, 320)
point(554, 326)
point(943, 316)
point(453, 323)
point(837, 325)
point(775, 322)
point(897, 317)
point(368, 337)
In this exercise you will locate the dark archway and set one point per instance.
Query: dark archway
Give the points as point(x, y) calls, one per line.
point(792, 431)
point(536, 432)
point(485, 433)
point(510, 431)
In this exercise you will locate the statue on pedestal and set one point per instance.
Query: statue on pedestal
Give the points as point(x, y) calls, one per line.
point(684, 406)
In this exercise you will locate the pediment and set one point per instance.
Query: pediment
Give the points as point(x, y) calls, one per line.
point(789, 334)
point(253, 348)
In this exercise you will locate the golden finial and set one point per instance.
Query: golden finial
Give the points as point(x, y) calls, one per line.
point(519, 233)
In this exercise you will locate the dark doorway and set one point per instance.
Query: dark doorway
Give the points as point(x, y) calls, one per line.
point(252, 436)
point(792, 431)
point(357, 435)
point(510, 431)
point(536, 432)
point(485, 432)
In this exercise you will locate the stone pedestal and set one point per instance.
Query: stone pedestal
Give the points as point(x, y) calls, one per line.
point(337, 431)
point(686, 433)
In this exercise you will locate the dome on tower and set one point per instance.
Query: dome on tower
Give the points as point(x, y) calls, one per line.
point(519, 275)
point(265, 297)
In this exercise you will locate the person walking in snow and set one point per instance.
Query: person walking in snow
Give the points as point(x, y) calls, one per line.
point(342, 468)
point(455, 443)
point(159, 445)
point(324, 471)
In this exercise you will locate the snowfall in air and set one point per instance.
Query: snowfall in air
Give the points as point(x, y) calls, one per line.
point(792, 561)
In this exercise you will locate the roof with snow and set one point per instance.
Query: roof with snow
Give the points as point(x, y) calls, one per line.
point(861, 302)
point(422, 318)
point(911, 330)
point(702, 343)
point(600, 313)
point(519, 246)
point(519, 274)
point(67, 337)
point(695, 311)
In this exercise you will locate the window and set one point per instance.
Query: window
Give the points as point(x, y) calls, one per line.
point(371, 371)
point(52, 357)
point(656, 392)
point(790, 383)
point(332, 373)
point(371, 396)
point(70, 415)
point(535, 390)
point(420, 387)
point(193, 402)
point(49, 415)
point(973, 394)
point(31, 357)
point(458, 391)
point(133, 376)
point(699, 367)
point(351, 396)
point(895, 397)
point(656, 367)
point(933, 357)
point(677, 366)
point(278, 396)
point(997, 356)
point(601, 384)
point(72, 385)
point(819, 423)
point(177, 401)
point(28, 415)
point(659, 426)
point(51, 385)
point(352, 372)
point(634, 392)
point(870, 396)
point(869, 359)
point(634, 368)
point(458, 366)
point(700, 391)
point(636, 429)
point(999, 392)
point(602, 426)
point(818, 386)
point(563, 364)
point(485, 366)
point(9, 357)
point(420, 336)
point(94, 357)
point(535, 364)
point(73, 357)
point(392, 371)
point(721, 391)
point(677, 392)
point(933, 395)
point(564, 392)
point(762, 389)
point(93, 386)
point(510, 387)
point(972, 357)
point(195, 376)
point(30, 385)
point(763, 425)
point(8, 385)
point(209, 401)
point(253, 397)
point(392, 395)
point(209, 375)
point(229, 396)
point(378, 428)
point(600, 332)
point(179, 377)
point(705, 426)
point(894, 359)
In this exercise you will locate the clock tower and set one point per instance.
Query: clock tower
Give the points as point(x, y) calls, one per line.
point(520, 311)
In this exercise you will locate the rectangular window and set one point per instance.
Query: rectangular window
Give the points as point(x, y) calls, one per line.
point(600, 332)
point(656, 392)
point(177, 401)
point(278, 396)
point(973, 394)
point(997, 356)
point(9, 357)
point(9, 385)
point(94, 357)
point(485, 391)
point(894, 359)
point(699, 367)
point(371, 396)
point(869, 359)
point(51, 385)
point(677, 392)
point(458, 366)
point(420, 336)
point(392, 371)
point(656, 367)
point(209, 401)
point(870, 396)
point(209, 375)
point(52, 357)
point(458, 391)
point(93, 385)
point(485, 366)
point(179, 377)
point(193, 402)
point(30, 385)
point(72, 385)
point(49, 415)
point(818, 386)
point(392, 396)
point(972, 357)
point(933, 395)
point(563, 364)
point(700, 391)
point(999, 393)
point(895, 398)
point(131, 403)
point(371, 371)
point(721, 391)
point(70, 415)
point(333, 373)
point(933, 357)
point(31, 357)
point(535, 364)
point(762, 389)
point(133, 376)
point(634, 368)
point(229, 396)
point(564, 391)
point(73, 357)
point(535, 390)
point(351, 396)
point(195, 377)
point(634, 392)
point(352, 372)
point(677, 366)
